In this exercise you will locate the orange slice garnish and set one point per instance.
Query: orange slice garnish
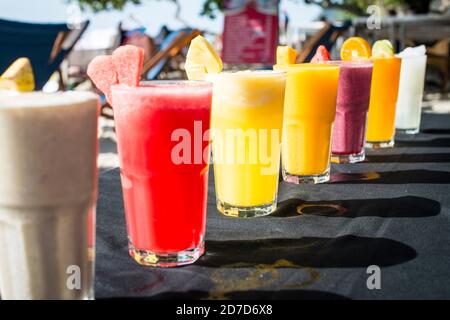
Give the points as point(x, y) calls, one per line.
point(355, 48)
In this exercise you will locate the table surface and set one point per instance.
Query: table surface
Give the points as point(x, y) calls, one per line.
point(392, 211)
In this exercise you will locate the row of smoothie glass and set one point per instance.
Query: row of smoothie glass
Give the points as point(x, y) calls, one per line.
point(246, 134)
point(399, 76)
point(363, 86)
point(49, 149)
point(397, 88)
point(396, 91)
point(326, 109)
point(48, 189)
point(402, 79)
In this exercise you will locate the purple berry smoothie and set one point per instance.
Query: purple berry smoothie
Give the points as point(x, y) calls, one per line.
point(351, 111)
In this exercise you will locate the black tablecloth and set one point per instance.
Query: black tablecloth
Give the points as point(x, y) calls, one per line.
point(393, 211)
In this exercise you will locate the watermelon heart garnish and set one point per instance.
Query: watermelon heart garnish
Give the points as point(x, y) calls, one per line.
point(124, 66)
point(128, 61)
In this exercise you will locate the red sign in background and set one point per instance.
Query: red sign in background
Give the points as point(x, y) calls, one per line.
point(251, 31)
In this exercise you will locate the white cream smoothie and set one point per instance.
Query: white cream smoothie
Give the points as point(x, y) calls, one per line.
point(48, 190)
point(410, 92)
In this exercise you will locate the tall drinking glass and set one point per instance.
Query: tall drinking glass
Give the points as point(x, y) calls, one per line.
point(383, 99)
point(48, 191)
point(310, 109)
point(410, 93)
point(163, 150)
point(349, 132)
point(247, 119)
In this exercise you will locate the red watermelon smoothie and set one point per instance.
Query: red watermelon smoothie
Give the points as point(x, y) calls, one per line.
point(164, 185)
point(351, 111)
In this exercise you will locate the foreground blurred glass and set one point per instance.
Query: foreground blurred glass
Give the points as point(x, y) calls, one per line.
point(309, 112)
point(48, 190)
point(349, 131)
point(383, 100)
point(410, 93)
point(247, 118)
point(163, 153)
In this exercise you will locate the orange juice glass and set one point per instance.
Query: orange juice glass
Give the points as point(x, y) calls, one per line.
point(383, 99)
point(309, 112)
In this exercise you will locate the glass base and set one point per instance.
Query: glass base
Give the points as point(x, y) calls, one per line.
point(408, 131)
point(380, 144)
point(310, 179)
point(175, 259)
point(348, 158)
point(246, 212)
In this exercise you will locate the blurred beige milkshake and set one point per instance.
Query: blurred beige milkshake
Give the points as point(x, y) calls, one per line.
point(48, 190)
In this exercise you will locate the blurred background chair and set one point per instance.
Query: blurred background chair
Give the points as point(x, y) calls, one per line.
point(46, 45)
point(170, 48)
point(439, 59)
point(327, 36)
point(93, 43)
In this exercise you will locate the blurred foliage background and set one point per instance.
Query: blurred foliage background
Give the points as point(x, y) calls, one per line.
point(212, 7)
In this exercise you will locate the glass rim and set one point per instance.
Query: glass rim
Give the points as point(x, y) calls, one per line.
point(149, 84)
point(395, 57)
point(411, 57)
point(39, 99)
point(246, 74)
point(307, 65)
point(349, 62)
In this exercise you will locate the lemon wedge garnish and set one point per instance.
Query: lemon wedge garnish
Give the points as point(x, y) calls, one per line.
point(18, 76)
point(201, 59)
point(383, 48)
point(286, 55)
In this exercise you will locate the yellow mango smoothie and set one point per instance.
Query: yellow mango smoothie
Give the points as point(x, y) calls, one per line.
point(247, 116)
point(309, 112)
